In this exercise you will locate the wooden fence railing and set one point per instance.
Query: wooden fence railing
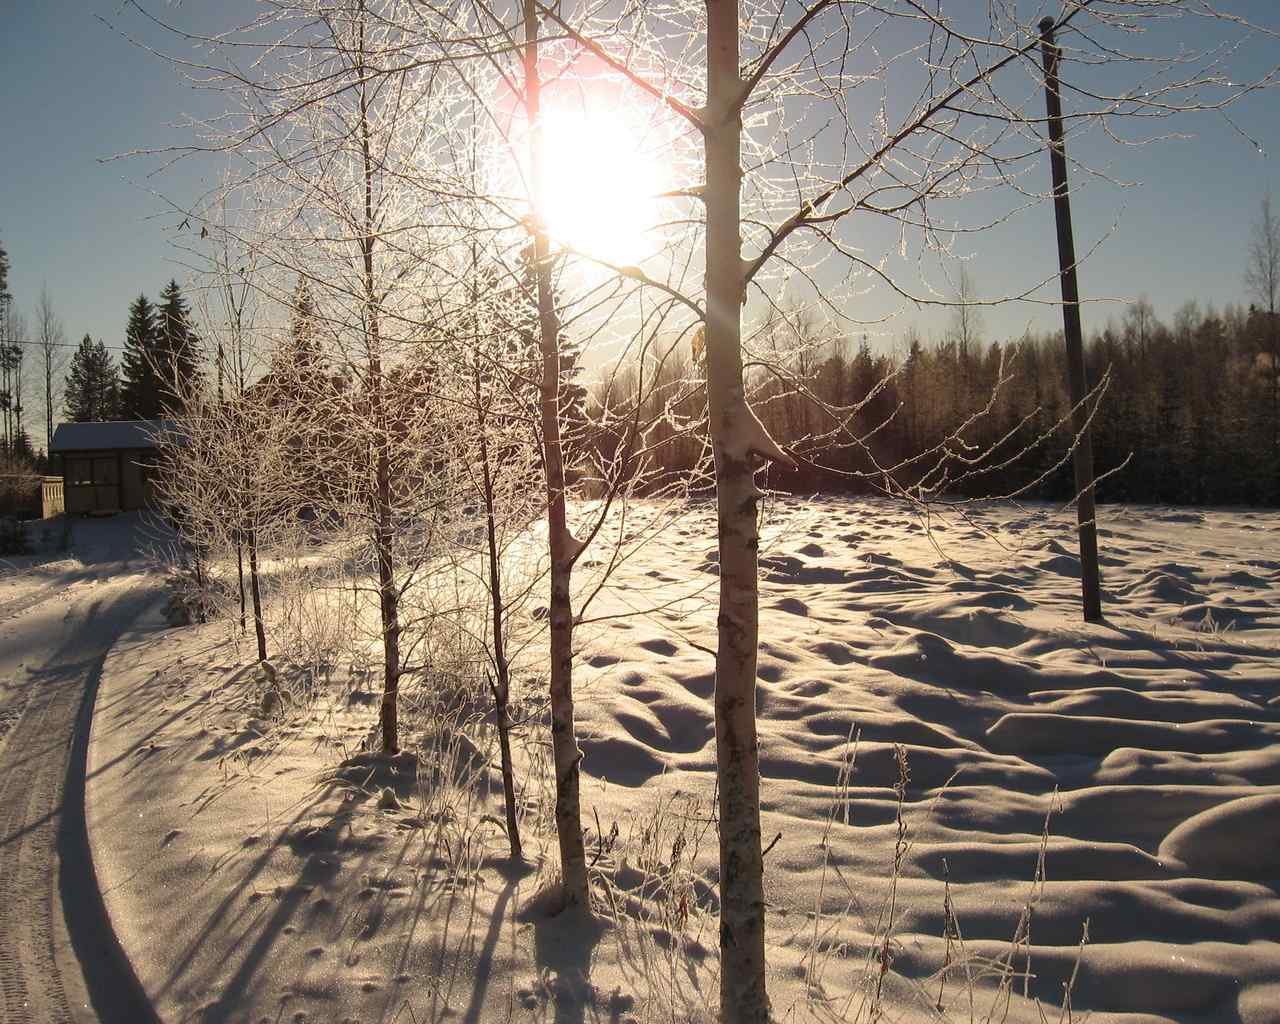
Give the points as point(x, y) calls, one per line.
point(52, 499)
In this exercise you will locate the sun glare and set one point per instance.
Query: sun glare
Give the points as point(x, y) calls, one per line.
point(607, 158)
point(602, 182)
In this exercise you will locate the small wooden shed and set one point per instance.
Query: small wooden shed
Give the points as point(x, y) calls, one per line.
point(107, 467)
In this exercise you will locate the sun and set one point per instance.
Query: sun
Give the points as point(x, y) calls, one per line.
point(612, 158)
point(602, 180)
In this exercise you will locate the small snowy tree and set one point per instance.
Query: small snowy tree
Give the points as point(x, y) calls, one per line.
point(499, 472)
point(325, 138)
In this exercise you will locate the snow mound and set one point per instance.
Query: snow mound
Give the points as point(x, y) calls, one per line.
point(1239, 839)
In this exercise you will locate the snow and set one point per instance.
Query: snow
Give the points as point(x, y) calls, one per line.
point(254, 873)
point(61, 610)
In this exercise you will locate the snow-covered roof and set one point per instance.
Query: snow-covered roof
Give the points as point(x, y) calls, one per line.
point(88, 437)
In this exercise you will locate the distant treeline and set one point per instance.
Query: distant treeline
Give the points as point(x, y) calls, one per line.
point(1194, 406)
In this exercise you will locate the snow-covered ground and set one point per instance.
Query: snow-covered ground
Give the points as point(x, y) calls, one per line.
point(928, 698)
point(62, 609)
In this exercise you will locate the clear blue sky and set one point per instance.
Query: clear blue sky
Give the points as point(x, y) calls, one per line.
point(75, 93)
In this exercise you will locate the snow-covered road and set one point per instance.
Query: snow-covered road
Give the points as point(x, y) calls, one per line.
point(59, 961)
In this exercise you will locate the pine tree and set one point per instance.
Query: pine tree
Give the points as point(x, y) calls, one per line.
point(93, 386)
point(176, 348)
point(5, 297)
point(140, 393)
point(10, 357)
point(23, 449)
point(10, 389)
point(911, 388)
point(298, 366)
point(304, 345)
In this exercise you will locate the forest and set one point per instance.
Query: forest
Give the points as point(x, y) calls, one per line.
point(1183, 413)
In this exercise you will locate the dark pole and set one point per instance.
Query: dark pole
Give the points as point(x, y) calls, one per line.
point(1082, 455)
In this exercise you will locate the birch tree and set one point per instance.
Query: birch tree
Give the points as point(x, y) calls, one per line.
point(51, 358)
point(512, 74)
point(326, 131)
point(259, 491)
point(491, 368)
point(1262, 278)
point(227, 481)
point(817, 121)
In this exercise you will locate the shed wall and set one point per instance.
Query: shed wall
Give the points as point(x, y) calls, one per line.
point(106, 480)
point(133, 485)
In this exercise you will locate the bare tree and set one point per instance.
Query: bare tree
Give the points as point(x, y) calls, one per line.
point(51, 357)
point(259, 493)
point(564, 547)
point(226, 480)
point(1262, 278)
point(966, 329)
point(510, 70)
point(500, 474)
point(324, 135)
point(1262, 275)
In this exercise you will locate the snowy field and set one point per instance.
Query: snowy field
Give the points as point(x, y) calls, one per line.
point(959, 774)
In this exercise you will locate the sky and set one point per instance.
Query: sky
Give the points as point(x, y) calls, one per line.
point(96, 232)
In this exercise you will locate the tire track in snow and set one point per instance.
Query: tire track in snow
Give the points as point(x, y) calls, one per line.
point(18, 605)
point(29, 795)
point(59, 960)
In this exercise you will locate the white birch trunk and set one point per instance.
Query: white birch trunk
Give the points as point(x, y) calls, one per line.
point(566, 755)
point(743, 998)
point(383, 536)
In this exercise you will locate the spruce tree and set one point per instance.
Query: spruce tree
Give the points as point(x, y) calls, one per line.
point(304, 344)
point(176, 348)
point(140, 393)
point(93, 386)
point(23, 449)
point(10, 390)
point(5, 297)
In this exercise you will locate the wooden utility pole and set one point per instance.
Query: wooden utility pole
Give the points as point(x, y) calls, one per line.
point(1082, 454)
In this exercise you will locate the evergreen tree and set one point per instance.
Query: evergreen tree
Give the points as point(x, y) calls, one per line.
point(140, 392)
point(5, 297)
point(10, 385)
point(910, 388)
point(93, 386)
point(176, 348)
point(304, 342)
point(299, 371)
point(23, 450)
point(10, 357)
